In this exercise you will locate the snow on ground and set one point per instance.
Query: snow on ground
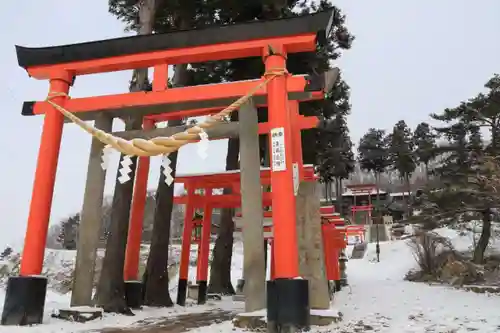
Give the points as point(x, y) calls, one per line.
point(377, 300)
point(61, 260)
point(378, 297)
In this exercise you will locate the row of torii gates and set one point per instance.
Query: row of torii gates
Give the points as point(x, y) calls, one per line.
point(281, 92)
point(198, 231)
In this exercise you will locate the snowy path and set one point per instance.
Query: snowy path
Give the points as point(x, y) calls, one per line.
point(379, 299)
point(400, 307)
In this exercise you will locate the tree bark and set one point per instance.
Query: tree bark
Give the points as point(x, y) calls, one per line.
point(338, 193)
point(156, 277)
point(408, 197)
point(484, 239)
point(377, 181)
point(220, 269)
point(111, 288)
point(427, 176)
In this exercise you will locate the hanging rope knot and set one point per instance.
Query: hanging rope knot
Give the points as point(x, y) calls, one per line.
point(164, 145)
point(274, 72)
point(52, 95)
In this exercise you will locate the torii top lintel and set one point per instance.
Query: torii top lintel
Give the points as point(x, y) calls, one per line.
point(296, 34)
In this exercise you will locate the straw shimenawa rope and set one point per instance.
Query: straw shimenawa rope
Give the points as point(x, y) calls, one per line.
point(162, 145)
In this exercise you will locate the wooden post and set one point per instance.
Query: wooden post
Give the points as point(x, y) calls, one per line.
point(90, 224)
point(251, 210)
point(311, 257)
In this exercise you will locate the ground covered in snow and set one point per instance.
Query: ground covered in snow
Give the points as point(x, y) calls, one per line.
point(377, 300)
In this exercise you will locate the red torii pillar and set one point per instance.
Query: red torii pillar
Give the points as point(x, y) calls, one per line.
point(333, 243)
point(287, 296)
point(204, 249)
point(133, 285)
point(185, 250)
point(30, 285)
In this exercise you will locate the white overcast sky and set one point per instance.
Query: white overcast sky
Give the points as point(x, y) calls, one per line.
point(410, 58)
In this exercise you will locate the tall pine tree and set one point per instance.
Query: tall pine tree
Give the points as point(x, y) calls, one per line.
point(111, 289)
point(466, 171)
point(170, 16)
point(425, 145)
point(373, 155)
point(335, 158)
point(200, 13)
point(402, 157)
point(243, 69)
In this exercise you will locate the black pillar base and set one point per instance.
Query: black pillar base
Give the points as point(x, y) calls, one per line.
point(338, 285)
point(133, 294)
point(202, 291)
point(288, 305)
point(24, 300)
point(182, 292)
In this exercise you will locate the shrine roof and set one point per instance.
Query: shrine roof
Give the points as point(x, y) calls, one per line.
point(318, 23)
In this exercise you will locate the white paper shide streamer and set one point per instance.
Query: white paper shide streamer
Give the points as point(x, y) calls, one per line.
point(106, 155)
point(203, 145)
point(167, 171)
point(125, 169)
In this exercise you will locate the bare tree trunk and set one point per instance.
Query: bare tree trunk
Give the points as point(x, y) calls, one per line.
point(378, 218)
point(155, 278)
point(111, 288)
point(427, 177)
point(484, 239)
point(408, 197)
point(220, 269)
point(377, 182)
point(338, 194)
point(156, 275)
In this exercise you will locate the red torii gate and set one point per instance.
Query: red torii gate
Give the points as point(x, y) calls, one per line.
point(230, 179)
point(361, 189)
point(334, 238)
point(131, 267)
point(273, 40)
point(209, 201)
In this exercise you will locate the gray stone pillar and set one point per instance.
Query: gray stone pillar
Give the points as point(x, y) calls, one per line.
point(90, 223)
point(311, 259)
point(251, 210)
